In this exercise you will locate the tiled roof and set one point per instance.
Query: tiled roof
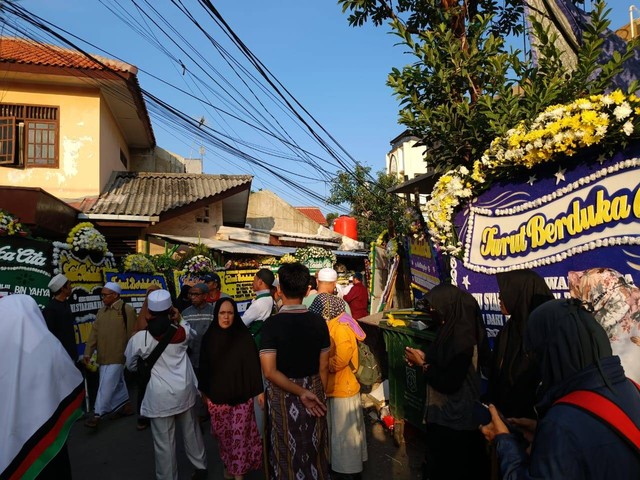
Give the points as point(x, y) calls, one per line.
point(29, 52)
point(313, 213)
point(150, 194)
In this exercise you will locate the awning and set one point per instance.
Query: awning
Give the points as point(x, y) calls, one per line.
point(349, 253)
point(422, 184)
point(229, 246)
point(45, 215)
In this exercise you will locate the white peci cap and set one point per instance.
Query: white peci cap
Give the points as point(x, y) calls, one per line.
point(327, 275)
point(57, 283)
point(114, 287)
point(159, 301)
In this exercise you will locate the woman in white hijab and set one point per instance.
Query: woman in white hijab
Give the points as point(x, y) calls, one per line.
point(41, 392)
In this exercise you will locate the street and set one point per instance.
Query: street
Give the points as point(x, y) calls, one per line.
point(118, 451)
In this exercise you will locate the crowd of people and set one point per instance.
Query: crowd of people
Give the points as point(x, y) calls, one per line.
point(278, 388)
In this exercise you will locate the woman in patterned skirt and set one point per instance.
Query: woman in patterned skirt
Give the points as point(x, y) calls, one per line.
point(294, 354)
point(229, 378)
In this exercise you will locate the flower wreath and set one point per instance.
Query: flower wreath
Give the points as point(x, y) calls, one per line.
point(307, 254)
point(9, 224)
point(199, 265)
point(607, 121)
point(84, 236)
point(138, 262)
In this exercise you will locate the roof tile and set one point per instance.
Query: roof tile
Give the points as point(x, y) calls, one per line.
point(21, 50)
point(149, 194)
point(313, 213)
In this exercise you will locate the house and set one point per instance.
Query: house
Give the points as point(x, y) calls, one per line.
point(76, 143)
point(315, 214)
point(406, 161)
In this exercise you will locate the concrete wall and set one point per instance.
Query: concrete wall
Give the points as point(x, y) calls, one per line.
point(187, 226)
point(77, 174)
point(267, 211)
point(158, 160)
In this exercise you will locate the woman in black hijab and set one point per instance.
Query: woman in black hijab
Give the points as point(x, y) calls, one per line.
point(573, 353)
point(229, 378)
point(451, 365)
point(513, 378)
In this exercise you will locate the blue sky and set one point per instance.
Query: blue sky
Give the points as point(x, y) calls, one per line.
point(337, 72)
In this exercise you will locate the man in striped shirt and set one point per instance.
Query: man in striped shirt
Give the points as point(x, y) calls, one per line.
point(199, 316)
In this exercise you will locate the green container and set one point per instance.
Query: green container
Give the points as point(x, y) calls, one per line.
point(407, 388)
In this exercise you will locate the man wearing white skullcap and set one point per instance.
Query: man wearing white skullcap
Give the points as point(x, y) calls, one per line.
point(59, 317)
point(112, 328)
point(327, 281)
point(171, 394)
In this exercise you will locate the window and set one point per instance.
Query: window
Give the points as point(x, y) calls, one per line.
point(203, 218)
point(28, 135)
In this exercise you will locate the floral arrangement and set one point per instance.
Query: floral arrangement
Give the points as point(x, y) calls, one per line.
point(63, 250)
point(607, 121)
point(9, 225)
point(309, 254)
point(163, 262)
point(199, 265)
point(288, 258)
point(84, 236)
point(138, 262)
point(415, 221)
point(269, 261)
point(390, 244)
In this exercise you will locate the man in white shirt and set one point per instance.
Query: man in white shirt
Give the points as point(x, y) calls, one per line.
point(263, 305)
point(171, 392)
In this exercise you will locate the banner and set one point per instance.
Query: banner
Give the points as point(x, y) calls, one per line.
point(238, 284)
point(25, 267)
point(561, 218)
point(423, 265)
point(134, 283)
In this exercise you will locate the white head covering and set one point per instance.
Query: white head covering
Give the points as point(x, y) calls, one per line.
point(57, 283)
point(159, 301)
point(38, 383)
point(327, 275)
point(114, 287)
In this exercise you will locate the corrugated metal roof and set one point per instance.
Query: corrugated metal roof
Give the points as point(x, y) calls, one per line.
point(230, 246)
point(349, 253)
point(246, 248)
point(142, 193)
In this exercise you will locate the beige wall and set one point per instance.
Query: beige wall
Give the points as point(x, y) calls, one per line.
point(111, 143)
point(267, 211)
point(158, 160)
point(186, 225)
point(79, 138)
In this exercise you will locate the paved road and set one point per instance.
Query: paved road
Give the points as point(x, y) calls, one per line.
point(118, 451)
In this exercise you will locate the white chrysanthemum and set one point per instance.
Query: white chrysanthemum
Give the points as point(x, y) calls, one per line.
point(622, 111)
point(607, 100)
point(627, 128)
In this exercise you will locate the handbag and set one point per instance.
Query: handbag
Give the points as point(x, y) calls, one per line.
point(145, 365)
